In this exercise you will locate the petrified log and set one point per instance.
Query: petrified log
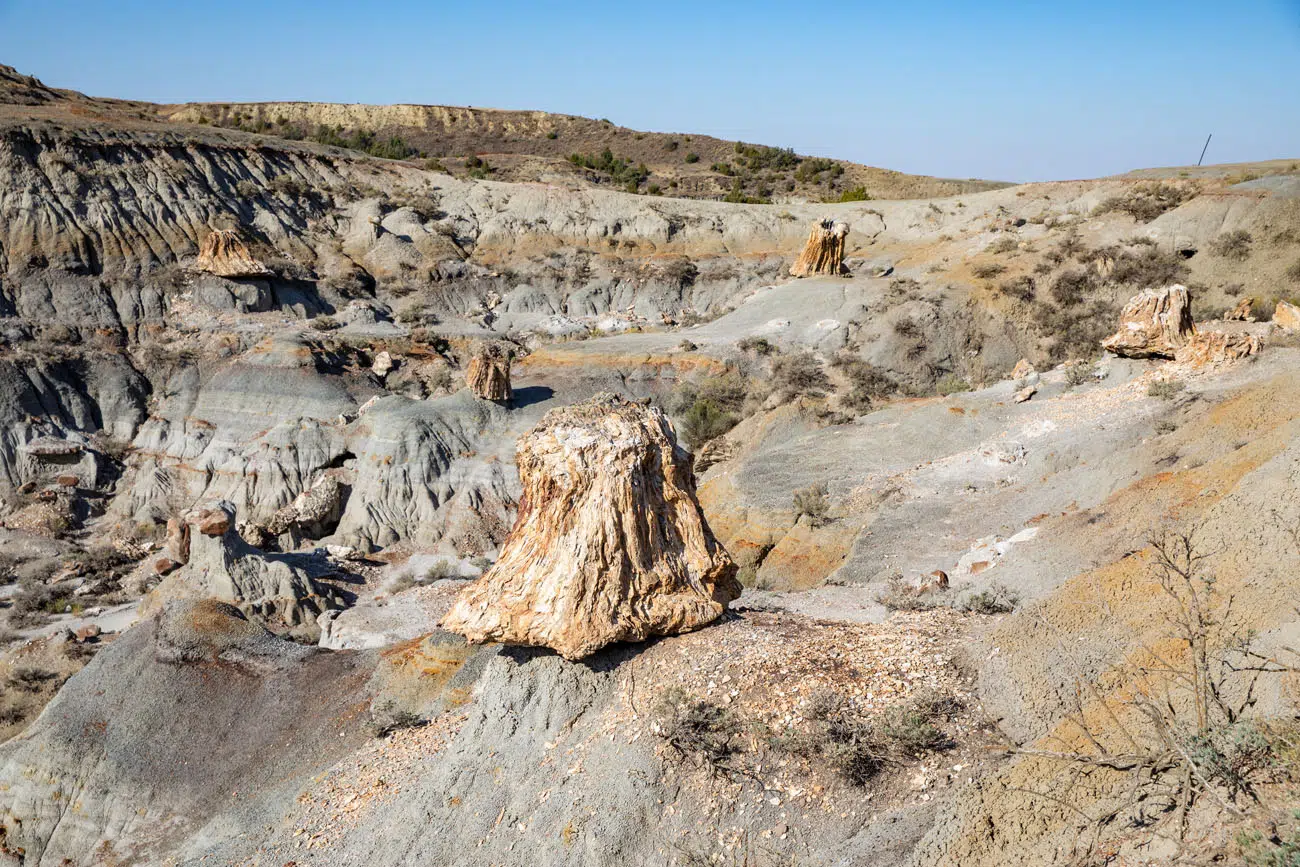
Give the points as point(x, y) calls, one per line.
point(1216, 347)
point(610, 543)
point(824, 252)
point(224, 254)
point(1154, 324)
point(488, 374)
point(1287, 316)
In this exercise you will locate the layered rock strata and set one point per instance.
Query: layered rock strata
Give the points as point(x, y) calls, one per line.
point(219, 564)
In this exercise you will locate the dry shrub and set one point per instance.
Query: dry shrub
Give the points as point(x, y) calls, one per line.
point(1147, 201)
point(1021, 288)
point(1232, 245)
point(800, 375)
point(813, 503)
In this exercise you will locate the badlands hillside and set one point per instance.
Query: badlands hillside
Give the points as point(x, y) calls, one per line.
point(371, 511)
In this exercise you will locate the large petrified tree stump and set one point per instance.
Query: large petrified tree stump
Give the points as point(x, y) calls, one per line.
point(1154, 324)
point(610, 543)
point(824, 252)
point(225, 254)
point(488, 373)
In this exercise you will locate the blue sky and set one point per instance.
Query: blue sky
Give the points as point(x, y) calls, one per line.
point(1008, 90)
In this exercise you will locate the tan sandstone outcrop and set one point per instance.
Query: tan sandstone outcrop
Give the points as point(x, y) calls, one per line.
point(824, 251)
point(225, 254)
point(1154, 324)
point(610, 544)
point(488, 374)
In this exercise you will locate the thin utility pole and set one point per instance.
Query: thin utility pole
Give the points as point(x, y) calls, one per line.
point(1206, 148)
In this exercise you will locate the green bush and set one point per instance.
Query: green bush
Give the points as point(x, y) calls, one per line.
point(856, 194)
point(704, 421)
point(951, 383)
point(620, 170)
point(1145, 202)
point(692, 157)
point(738, 196)
point(912, 730)
point(392, 148)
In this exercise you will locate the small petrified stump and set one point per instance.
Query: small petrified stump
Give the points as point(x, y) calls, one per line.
point(1241, 313)
point(1154, 324)
point(225, 254)
point(824, 251)
point(610, 543)
point(488, 374)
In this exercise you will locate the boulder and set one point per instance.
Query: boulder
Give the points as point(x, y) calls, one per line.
point(824, 251)
point(383, 365)
point(1024, 394)
point(488, 374)
point(165, 565)
point(610, 543)
point(1287, 316)
point(216, 521)
point(1023, 369)
point(1154, 324)
point(225, 254)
